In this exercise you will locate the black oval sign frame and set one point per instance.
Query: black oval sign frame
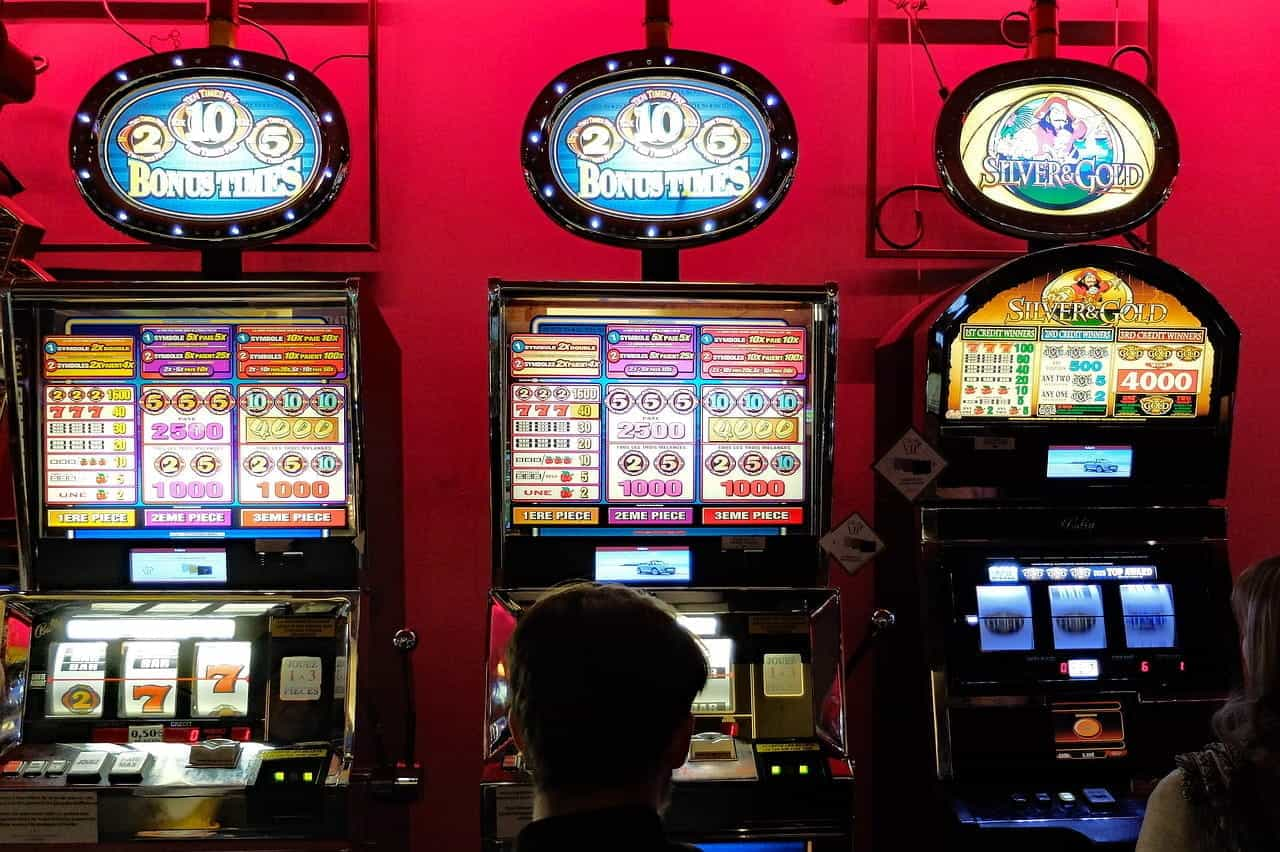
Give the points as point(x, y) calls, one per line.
point(190, 232)
point(676, 232)
point(1046, 227)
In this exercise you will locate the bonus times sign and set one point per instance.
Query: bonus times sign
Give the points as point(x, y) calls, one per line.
point(211, 144)
point(647, 148)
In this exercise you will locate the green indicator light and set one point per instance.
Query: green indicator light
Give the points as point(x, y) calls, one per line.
point(804, 769)
point(775, 770)
point(308, 777)
point(279, 777)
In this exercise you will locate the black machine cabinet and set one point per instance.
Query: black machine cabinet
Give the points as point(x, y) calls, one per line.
point(1061, 590)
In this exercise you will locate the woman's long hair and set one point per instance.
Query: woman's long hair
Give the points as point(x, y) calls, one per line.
point(1250, 721)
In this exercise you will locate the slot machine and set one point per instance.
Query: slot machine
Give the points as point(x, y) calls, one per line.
point(187, 458)
point(1063, 597)
point(1059, 434)
point(677, 437)
point(180, 655)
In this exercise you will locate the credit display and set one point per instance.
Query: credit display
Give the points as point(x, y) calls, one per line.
point(167, 426)
point(1087, 342)
point(695, 417)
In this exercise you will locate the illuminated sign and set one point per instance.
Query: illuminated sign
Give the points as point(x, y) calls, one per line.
point(211, 144)
point(653, 148)
point(1082, 342)
point(1056, 149)
point(226, 427)
point(696, 416)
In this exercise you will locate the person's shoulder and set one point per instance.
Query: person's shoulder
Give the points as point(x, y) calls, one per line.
point(1169, 791)
point(1168, 825)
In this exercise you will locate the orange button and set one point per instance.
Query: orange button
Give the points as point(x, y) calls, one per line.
point(1087, 727)
point(556, 516)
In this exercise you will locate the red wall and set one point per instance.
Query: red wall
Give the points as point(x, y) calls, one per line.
point(456, 79)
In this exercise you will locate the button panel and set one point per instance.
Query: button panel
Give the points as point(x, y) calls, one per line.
point(34, 768)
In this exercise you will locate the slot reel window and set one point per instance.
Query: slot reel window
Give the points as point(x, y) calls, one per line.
point(1078, 620)
point(149, 687)
point(148, 662)
point(1148, 615)
point(77, 673)
point(717, 695)
point(1004, 618)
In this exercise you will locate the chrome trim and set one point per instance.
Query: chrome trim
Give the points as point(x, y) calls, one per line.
point(941, 725)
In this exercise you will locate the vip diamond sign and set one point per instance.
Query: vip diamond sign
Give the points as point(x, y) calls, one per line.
point(210, 144)
point(853, 543)
point(911, 465)
point(647, 148)
point(1056, 149)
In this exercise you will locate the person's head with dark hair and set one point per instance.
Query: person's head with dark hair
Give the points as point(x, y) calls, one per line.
point(1250, 721)
point(602, 683)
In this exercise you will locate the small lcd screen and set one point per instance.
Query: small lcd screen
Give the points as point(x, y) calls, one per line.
point(1004, 618)
point(177, 565)
point(1090, 462)
point(1083, 668)
point(1148, 615)
point(642, 565)
point(1078, 621)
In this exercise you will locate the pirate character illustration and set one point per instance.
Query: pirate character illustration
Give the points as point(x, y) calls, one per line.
point(1057, 131)
point(1089, 286)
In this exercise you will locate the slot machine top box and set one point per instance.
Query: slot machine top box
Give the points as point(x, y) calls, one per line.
point(1077, 370)
point(186, 435)
point(660, 434)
